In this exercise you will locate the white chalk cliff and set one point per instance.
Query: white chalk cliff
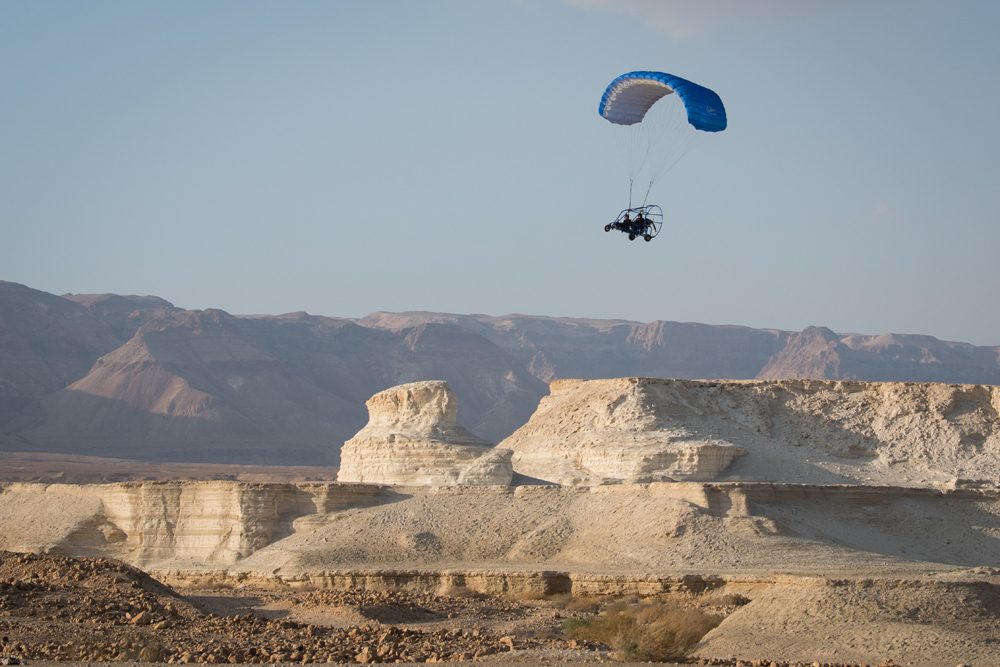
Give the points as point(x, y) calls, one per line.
point(595, 431)
point(413, 438)
point(793, 431)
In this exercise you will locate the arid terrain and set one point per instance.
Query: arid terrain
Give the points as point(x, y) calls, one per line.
point(487, 507)
point(499, 333)
point(786, 521)
point(134, 377)
point(77, 469)
point(59, 608)
point(833, 574)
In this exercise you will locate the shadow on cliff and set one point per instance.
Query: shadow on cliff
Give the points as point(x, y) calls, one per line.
point(917, 525)
point(783, 443)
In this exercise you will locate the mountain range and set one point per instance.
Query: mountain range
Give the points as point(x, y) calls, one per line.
point(136, 377)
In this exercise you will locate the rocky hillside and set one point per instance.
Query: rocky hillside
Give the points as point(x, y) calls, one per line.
point(136, 377)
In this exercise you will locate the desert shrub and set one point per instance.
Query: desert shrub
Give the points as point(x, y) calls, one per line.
point(578, 603)
point(583, 603)
point(573, 624)
point(559, 600)
point(648, 631)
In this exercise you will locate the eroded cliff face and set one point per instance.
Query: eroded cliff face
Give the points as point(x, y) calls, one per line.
point(596, 431)
point(811, 476)
point(328, 534)
point(151, 524)
point(798, 431)
point(413, 438)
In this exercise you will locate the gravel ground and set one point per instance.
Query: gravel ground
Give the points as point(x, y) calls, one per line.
point(61, 608)
point(82, 610)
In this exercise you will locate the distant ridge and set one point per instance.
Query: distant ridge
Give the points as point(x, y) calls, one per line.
point(136, 377)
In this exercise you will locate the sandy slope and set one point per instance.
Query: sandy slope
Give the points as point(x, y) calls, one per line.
point(915, 623)
point(641, 529)
point(657, 528)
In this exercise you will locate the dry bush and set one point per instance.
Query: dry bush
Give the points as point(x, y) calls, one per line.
point(583, 603)
point(559, 600)
point(526, 596)
point(649, 631)
point(578, 603)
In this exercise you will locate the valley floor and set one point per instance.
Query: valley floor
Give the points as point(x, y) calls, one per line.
point(55, 608)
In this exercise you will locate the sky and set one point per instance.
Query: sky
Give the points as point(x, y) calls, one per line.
point(346, 157)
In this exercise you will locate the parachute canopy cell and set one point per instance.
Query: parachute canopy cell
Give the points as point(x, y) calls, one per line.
point(627, 99)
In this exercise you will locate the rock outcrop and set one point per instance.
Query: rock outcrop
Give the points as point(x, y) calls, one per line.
point(188, 524)
point(318, 533)
point(792, 431)
point(413, 438)
point(589, 432)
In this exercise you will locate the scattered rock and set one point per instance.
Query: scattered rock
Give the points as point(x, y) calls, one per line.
point(142, 618)
point(109, 615)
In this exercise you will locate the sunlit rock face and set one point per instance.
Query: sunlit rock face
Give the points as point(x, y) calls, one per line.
point(413, 438)
point(790, 431)
point(169, 525)
point(599, 431)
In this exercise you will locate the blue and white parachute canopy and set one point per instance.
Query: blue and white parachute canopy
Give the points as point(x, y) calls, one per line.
point(627, 99)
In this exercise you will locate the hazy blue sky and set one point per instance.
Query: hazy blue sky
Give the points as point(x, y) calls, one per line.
point(346, 157)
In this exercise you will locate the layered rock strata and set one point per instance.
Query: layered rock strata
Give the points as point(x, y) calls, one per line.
point(792, 431)
point(413, 438)
point(189, 524)
point(589, 432)
point(329, 535)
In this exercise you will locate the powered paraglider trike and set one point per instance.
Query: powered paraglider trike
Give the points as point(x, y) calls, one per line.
point(656, 135)
point(641, 221)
